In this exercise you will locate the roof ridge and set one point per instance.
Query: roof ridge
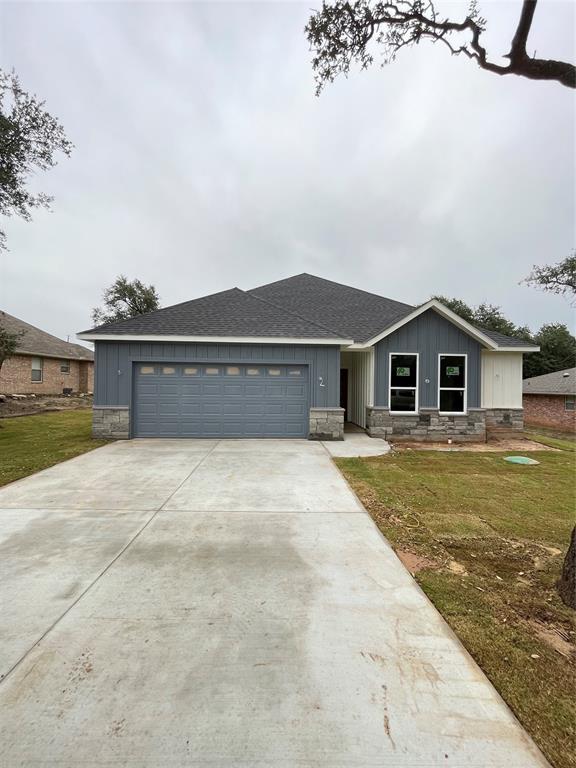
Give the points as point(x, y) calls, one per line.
point(552, 373)
point(334, 282)
point(294, 314)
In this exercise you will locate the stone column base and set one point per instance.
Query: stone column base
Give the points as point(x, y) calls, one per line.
point(326, 424)
point(111, 423)
point(507, 419)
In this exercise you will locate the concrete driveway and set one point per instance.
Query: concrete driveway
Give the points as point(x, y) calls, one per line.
point(205, 603)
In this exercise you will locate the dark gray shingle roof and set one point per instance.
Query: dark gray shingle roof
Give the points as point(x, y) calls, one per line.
point(300, 307)
point(557, 383)
point(37, 342)
point(507, 341)
point(228, 313)
point(353, 313)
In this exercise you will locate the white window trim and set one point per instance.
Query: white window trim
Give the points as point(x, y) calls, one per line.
point(41, 369)
point(566, 398)
point(416, 387)
point(454, 389)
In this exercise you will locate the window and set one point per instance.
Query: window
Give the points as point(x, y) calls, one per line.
point(295, 372)
point(403, 383)
point(274, 371)
point(212, 371)
point(146, 369)
point(452, 383)
point(37, 368)
point(570, 403)
point(65, 366)
point(167, 370)
point(232, 370)
point(190, 371)
point(253, 371)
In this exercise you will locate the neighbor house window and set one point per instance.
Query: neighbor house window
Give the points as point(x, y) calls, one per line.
point(452, 384)
point(403, 383)
point(37, 368)
point(65, 366)
point(569, 403)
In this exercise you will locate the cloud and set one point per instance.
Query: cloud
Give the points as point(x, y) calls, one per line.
point(203, 160)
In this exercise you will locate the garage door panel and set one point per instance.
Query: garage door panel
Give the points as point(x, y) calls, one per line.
point(228, 400)
point(191, 409)
point(191, 388)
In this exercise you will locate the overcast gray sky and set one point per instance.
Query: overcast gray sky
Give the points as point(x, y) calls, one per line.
point(204, 160)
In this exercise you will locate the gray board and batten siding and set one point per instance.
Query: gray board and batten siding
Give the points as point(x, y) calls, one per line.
point(115, 381)
point(429, 335)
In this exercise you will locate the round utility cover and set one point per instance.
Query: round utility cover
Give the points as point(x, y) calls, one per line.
point(521, 460)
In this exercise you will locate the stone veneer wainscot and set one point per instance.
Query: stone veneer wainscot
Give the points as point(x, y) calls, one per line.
point(110, 422)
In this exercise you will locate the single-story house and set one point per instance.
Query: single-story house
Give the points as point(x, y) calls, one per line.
point(550, 400)
point(44, 364)
point(298, 357)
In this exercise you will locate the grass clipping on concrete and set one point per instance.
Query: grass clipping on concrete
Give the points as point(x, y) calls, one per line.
point(486, 540)
point(31, 443)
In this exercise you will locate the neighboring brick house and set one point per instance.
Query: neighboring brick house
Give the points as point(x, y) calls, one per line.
point(44, 364)
point(550, 400)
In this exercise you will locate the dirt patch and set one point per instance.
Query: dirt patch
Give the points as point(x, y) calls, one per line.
point(561, 640)
point(415, 563)
point(455, 567)
point(492, 446)
point(43, 404)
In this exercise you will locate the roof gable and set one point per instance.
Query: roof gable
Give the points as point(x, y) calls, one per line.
point(35, 341)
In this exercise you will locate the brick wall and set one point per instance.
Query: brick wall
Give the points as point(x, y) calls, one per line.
point(548, 411)
point(16, 377)
point(86, 377)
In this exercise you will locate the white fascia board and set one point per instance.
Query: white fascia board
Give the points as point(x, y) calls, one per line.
point(211, 339)
point(442, 310)
point(515, 349)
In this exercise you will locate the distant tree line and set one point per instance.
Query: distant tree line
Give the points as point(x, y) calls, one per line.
point(557, 344)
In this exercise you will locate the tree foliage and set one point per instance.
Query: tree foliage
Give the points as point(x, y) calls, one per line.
point(557, 278)
point(124, 299)
point(557, 344)
point(8, 344)
point(343, 34)
point(557, 351)
point(30, 138)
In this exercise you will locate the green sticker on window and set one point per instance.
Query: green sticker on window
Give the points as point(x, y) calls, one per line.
point(402, 371)
point(452, 370)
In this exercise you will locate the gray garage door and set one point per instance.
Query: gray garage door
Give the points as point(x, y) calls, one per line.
point(220, 400)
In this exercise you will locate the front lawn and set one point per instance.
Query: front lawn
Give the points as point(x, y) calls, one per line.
point(486, 540)
point(31, 443)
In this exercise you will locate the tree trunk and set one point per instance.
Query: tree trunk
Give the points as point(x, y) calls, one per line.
point(567, 582)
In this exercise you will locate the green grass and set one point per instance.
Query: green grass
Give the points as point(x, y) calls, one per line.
point(31, 443)
point(553, 440)
point(507, 526)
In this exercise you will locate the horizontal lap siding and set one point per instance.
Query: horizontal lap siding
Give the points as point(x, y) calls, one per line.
point(113, 361)
point(429, 335)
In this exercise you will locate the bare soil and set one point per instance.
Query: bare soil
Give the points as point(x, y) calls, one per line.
point(500, 444)
point(44, 404)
